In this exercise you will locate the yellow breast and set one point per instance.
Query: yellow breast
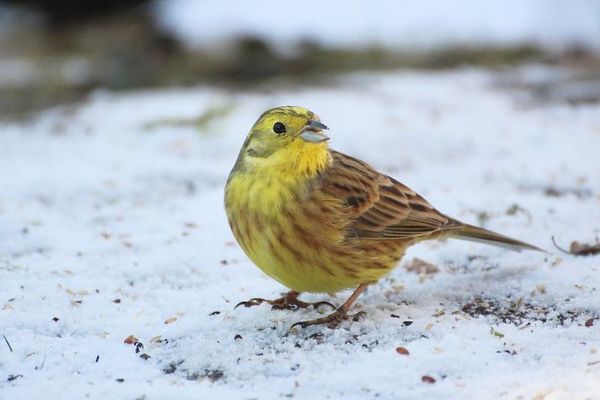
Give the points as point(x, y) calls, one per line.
point(295, 236)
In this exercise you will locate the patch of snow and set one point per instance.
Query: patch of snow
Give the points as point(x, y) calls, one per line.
point(112, 224)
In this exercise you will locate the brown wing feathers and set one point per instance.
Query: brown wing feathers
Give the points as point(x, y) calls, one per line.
point(381, 206)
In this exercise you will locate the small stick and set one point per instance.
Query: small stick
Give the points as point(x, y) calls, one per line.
point(7, 343)
point(560, 248)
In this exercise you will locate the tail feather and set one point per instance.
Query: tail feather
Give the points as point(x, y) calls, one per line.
point(476, 234)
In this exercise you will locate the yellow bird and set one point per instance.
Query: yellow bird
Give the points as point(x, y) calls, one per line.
point(317, 220)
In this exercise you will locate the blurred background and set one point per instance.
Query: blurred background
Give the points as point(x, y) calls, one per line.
point(58, 51)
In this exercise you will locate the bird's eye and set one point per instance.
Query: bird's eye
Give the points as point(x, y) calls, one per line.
point(279, 128)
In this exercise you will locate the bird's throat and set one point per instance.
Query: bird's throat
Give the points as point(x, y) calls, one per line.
point(299, 161)
point(271, 182)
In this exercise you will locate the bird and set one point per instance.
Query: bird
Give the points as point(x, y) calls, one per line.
point(319, 221)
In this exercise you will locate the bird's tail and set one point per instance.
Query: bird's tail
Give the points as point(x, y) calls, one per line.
point(473, 233)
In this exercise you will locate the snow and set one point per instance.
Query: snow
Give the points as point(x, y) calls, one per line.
point(552, 24)
point(113, 224)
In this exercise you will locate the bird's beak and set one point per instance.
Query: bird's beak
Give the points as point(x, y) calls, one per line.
point(312, 132)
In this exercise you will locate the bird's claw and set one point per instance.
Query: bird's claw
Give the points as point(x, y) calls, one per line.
point(288, 302)
point(297, 304)
point(252, 302)
point(332, 320)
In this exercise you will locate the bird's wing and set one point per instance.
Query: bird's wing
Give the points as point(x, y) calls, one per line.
point(379, 206)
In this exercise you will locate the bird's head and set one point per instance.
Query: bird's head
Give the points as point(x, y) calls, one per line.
point(286, 136)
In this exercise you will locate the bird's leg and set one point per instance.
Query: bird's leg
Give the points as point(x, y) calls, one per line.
point(289, 301)
point(341, 314)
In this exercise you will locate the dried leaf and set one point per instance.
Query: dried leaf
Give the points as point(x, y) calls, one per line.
point(156, 339)
point(496, 333)
point(419, 266)
point(580, 249)
point(170, 320)
point(584, 249)
point(131, 340)
point(541, 288)
point(589, 323)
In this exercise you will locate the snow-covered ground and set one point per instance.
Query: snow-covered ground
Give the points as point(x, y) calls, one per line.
point(550, 24)
point(112, 224)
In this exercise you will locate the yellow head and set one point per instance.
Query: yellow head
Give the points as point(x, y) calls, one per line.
point(286, 139)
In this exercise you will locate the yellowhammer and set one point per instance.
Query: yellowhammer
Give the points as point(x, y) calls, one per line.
point(317, 220)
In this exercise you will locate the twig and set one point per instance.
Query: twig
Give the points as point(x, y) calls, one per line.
point(560, 248)
point(43, 362)
point(7, 343)
point(581, 249)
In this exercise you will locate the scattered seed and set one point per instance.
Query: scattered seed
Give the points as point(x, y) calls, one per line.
point(170, 320)
point(214, 375)
point(407, 323)
point(120, 380)
point(421, 267)
point(117, 301)
point(427, 379)
point(402, 350)
point(237, 337)
point(55, 319)
point(172, 367)
point(524, 326)
point(138, 347)
point(214, 313)
point(541, 288)
point(589, 322)
point(98, 358)
point(496, 333)
point(156, 339)
point(144, 356)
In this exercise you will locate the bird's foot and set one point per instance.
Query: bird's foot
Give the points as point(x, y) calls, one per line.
point(289, 301)
point(332, 320)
